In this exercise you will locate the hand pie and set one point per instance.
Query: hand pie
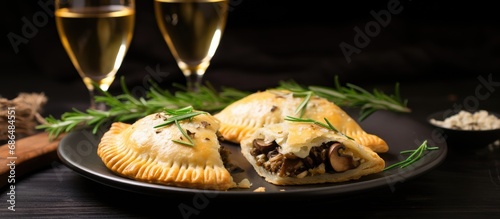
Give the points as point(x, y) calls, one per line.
point(144, 153)
point(241, 118)
point(295, 153)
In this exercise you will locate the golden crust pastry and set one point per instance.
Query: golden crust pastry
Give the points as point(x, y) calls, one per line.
point(144, 153)
point(294, 153)
point(243, 117)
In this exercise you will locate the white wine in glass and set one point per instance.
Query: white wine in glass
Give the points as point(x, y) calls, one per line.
point(96, 35)
point(192, 30)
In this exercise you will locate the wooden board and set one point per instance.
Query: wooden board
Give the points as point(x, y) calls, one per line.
point(26, 155)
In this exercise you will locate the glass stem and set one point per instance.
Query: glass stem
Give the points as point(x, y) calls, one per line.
point(193, 81)
point(96, 105)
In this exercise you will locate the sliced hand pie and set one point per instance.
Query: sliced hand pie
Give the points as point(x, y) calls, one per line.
point(296, 153)
point(157, 155)
point(243, 117)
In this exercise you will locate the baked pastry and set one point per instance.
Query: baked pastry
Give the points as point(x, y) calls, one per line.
point(144, 152)
point(296, 153)
point(241, 118)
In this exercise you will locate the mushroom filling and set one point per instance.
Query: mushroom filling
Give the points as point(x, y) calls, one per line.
point(331, 157)
point(226, 160)
point(225, 156)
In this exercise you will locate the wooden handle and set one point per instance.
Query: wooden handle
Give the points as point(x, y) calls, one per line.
point(26, 155)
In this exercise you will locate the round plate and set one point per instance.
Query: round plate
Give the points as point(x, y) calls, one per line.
point(77, 150)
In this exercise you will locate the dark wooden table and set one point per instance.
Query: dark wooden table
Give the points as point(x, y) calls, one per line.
point(465, 185)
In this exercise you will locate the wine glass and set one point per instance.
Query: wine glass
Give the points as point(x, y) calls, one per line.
point(192, 30)
point(96, 35)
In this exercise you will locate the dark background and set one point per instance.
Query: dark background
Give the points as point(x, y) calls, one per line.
point(270, 41)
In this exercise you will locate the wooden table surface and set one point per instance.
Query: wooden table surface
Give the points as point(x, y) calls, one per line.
point(465, 185)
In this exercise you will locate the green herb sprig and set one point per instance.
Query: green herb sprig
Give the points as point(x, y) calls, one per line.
point(326, 125)
point(126, 107)
point(301, 109)
point(355, 96)
point(414, 156)
point(178, 115)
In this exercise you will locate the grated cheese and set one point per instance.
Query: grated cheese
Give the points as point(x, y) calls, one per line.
point(463, 120)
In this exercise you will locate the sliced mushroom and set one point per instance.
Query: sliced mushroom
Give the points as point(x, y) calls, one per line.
point(340, 162)
point(290, 156)
point(262, 146)
point(289, 166)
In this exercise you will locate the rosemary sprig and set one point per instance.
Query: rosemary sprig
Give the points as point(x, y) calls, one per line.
point(70, 120)
point(303, 105)
point(127, 107)
point(178, 115)
point(355, 96)
point(414, 156)
point(326, 125)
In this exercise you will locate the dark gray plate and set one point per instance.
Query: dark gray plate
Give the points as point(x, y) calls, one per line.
point(77, 150)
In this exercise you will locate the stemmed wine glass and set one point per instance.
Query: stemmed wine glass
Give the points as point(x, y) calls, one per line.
point(96, 35)
point(192, 30)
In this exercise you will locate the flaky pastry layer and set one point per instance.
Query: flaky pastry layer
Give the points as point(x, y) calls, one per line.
point(144, 153)
point(243, 117)
point(299, 139)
